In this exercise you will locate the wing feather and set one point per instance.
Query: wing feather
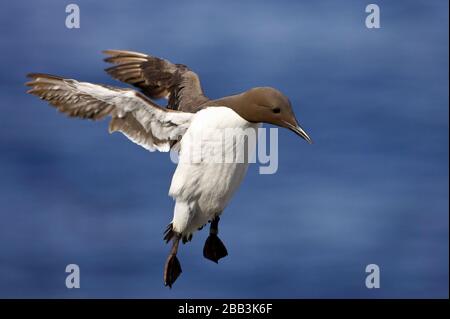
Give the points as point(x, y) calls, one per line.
point(158, 78)
point(137, 117)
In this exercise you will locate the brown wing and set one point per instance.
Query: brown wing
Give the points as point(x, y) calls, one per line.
point(158, 78)
point(138, 118)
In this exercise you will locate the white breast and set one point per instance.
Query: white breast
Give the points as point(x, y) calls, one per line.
point(201, 179)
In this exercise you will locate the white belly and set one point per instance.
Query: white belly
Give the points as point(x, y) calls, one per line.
point(207, 176)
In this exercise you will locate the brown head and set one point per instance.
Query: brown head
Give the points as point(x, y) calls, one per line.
point(265, 105)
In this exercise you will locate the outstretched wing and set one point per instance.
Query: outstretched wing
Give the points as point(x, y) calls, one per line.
point(158, 78)
point(142, 121)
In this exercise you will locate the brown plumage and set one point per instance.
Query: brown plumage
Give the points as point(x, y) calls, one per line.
point(58, 92)
point(158, 78)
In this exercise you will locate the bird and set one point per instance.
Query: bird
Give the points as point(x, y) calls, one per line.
point(201, 190)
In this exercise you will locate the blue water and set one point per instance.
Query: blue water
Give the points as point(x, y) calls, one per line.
point(372, 189)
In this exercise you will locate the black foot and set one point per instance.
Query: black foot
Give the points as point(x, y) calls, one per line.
point(172, 270)
point(214, 249)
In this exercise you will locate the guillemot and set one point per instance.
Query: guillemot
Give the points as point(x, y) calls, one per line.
point(201, 190)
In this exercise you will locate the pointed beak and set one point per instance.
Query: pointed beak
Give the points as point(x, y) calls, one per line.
point(297, 129)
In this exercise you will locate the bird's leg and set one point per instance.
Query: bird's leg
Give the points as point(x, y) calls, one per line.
point(214, 249)
point(172, 269)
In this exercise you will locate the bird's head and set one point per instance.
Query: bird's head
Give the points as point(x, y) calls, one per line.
point(268, 105)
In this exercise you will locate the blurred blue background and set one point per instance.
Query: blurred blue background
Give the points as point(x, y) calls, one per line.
point(372, 189)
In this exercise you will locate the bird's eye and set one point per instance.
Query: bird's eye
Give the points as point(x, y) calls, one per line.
point(276, 110)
